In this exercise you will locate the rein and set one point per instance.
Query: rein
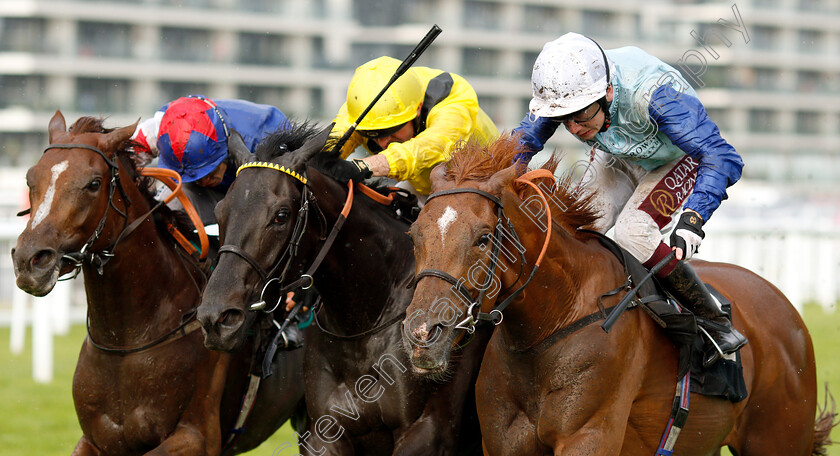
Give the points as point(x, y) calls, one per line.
point(474, 313)
point(188, 325)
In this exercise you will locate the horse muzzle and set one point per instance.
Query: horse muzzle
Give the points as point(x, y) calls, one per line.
point(223, 330)
point(427, 347)
point(36, 270)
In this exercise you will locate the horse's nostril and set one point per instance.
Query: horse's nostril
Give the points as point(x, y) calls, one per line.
point(232, 318)
point(43, 258)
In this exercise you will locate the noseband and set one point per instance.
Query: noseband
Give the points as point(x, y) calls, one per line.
point(474, 313)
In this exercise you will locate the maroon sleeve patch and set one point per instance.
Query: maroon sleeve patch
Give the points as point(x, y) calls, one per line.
point(671, 191)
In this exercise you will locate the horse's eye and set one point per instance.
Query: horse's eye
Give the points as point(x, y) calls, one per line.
point(281, 217)
point(483, 240)
point(94, 185)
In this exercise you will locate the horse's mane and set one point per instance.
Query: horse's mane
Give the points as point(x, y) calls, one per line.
point(163, 215)
point(289, 139)
point(473, 161)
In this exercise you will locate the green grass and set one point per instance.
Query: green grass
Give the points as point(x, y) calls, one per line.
point(39, 419)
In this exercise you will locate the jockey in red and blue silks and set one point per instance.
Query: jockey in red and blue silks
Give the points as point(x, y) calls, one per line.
point(189, 135)
point(653, 150)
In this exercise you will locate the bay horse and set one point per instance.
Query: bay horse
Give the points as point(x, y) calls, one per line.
point(553, 383)
point(144, 382)
point(361, 395)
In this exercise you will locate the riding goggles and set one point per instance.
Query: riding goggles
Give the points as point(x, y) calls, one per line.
point(581, 116)
point(376, 134)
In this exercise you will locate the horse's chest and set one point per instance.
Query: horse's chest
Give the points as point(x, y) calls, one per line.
point(128, 404)
point(367, 396)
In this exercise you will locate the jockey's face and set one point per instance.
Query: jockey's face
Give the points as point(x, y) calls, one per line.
point(215, 177)
point(402, 135)
point(586, 130)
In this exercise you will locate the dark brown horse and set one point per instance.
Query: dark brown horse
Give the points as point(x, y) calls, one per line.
point(361, 393)
point(144, 382)
point(547, 386)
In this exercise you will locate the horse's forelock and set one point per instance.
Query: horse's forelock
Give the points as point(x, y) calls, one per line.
point(89, 124)
point(285, 140)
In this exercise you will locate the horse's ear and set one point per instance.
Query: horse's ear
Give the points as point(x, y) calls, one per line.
point(113, 140)
point(500, 180)
point(312, 146)
point(237, 150)
point(57, 125)
point(438, 178)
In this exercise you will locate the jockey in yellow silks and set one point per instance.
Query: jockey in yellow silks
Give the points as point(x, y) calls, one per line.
point(414, 126)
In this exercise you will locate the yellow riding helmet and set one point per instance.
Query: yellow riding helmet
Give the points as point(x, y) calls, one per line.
point(398, 104)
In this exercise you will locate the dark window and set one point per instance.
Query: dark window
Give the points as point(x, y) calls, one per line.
point(810, 41)
point(23, 91)
point(765, 38)
point(262, 49)
point(599, 23)
point(22, 34)
point(528, 59)
point(482, 15)
point(809, 81)
point(808, 122)
point(542, 19)
point(763, 121)
point(378, 13)
point(766, 79)
point(102, 96)
point(261, 6)
point(186, 45)
point(480, 62)
point(420, 12)
point(104, 40)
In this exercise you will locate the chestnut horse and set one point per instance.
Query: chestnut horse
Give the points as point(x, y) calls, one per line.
point(278, 221)
point(550, 384)
point(144, 382)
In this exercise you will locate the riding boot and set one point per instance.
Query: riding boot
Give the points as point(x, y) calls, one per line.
point(687, 287)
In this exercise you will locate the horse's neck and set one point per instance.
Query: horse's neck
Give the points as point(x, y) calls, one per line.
point(143, 290)
point(365, 274)
point(565, 288)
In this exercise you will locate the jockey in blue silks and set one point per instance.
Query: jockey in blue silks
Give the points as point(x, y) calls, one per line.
point(653, 150)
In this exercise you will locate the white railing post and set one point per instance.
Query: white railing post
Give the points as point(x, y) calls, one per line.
point(60, 307)
point(42, 341)
point(17, 331)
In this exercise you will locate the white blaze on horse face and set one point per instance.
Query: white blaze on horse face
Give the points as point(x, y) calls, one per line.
point(448, 217)
point(45, 206)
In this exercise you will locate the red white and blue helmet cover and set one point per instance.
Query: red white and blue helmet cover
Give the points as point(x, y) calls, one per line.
point(191, 139)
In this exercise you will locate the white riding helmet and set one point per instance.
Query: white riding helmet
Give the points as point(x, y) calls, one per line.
point(569, 75)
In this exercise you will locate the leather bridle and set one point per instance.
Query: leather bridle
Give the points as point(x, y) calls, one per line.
point(276, 275)
point(474, 314)
point(98, 259)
